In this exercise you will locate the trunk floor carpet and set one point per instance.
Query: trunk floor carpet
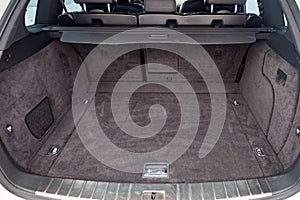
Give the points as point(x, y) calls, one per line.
point(232, 158)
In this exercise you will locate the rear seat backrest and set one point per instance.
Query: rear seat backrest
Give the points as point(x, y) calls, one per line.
point(124, 6)
point(96, 5)
point(160, 6)
point(227, 3)
point(192, 6)
point(110, 6)
point(159, 12)
point(163, 13)
point(95, 15)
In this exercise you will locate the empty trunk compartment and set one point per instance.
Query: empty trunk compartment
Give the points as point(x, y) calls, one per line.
point(258, 138)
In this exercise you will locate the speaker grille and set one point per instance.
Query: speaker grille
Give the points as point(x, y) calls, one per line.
point(39, 119)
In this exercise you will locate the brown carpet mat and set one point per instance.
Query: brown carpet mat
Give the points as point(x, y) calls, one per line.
point(232, 158)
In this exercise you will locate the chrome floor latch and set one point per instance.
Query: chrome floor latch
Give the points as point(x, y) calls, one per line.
point(156, 170)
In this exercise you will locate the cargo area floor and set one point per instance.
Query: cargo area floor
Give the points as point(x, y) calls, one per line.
point(232, 158)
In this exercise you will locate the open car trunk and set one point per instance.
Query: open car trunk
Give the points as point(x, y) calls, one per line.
point(262, 92)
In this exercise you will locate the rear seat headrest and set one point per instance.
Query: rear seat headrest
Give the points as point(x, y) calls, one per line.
point(160, 6)
point(226, 2)
point(95, 1)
